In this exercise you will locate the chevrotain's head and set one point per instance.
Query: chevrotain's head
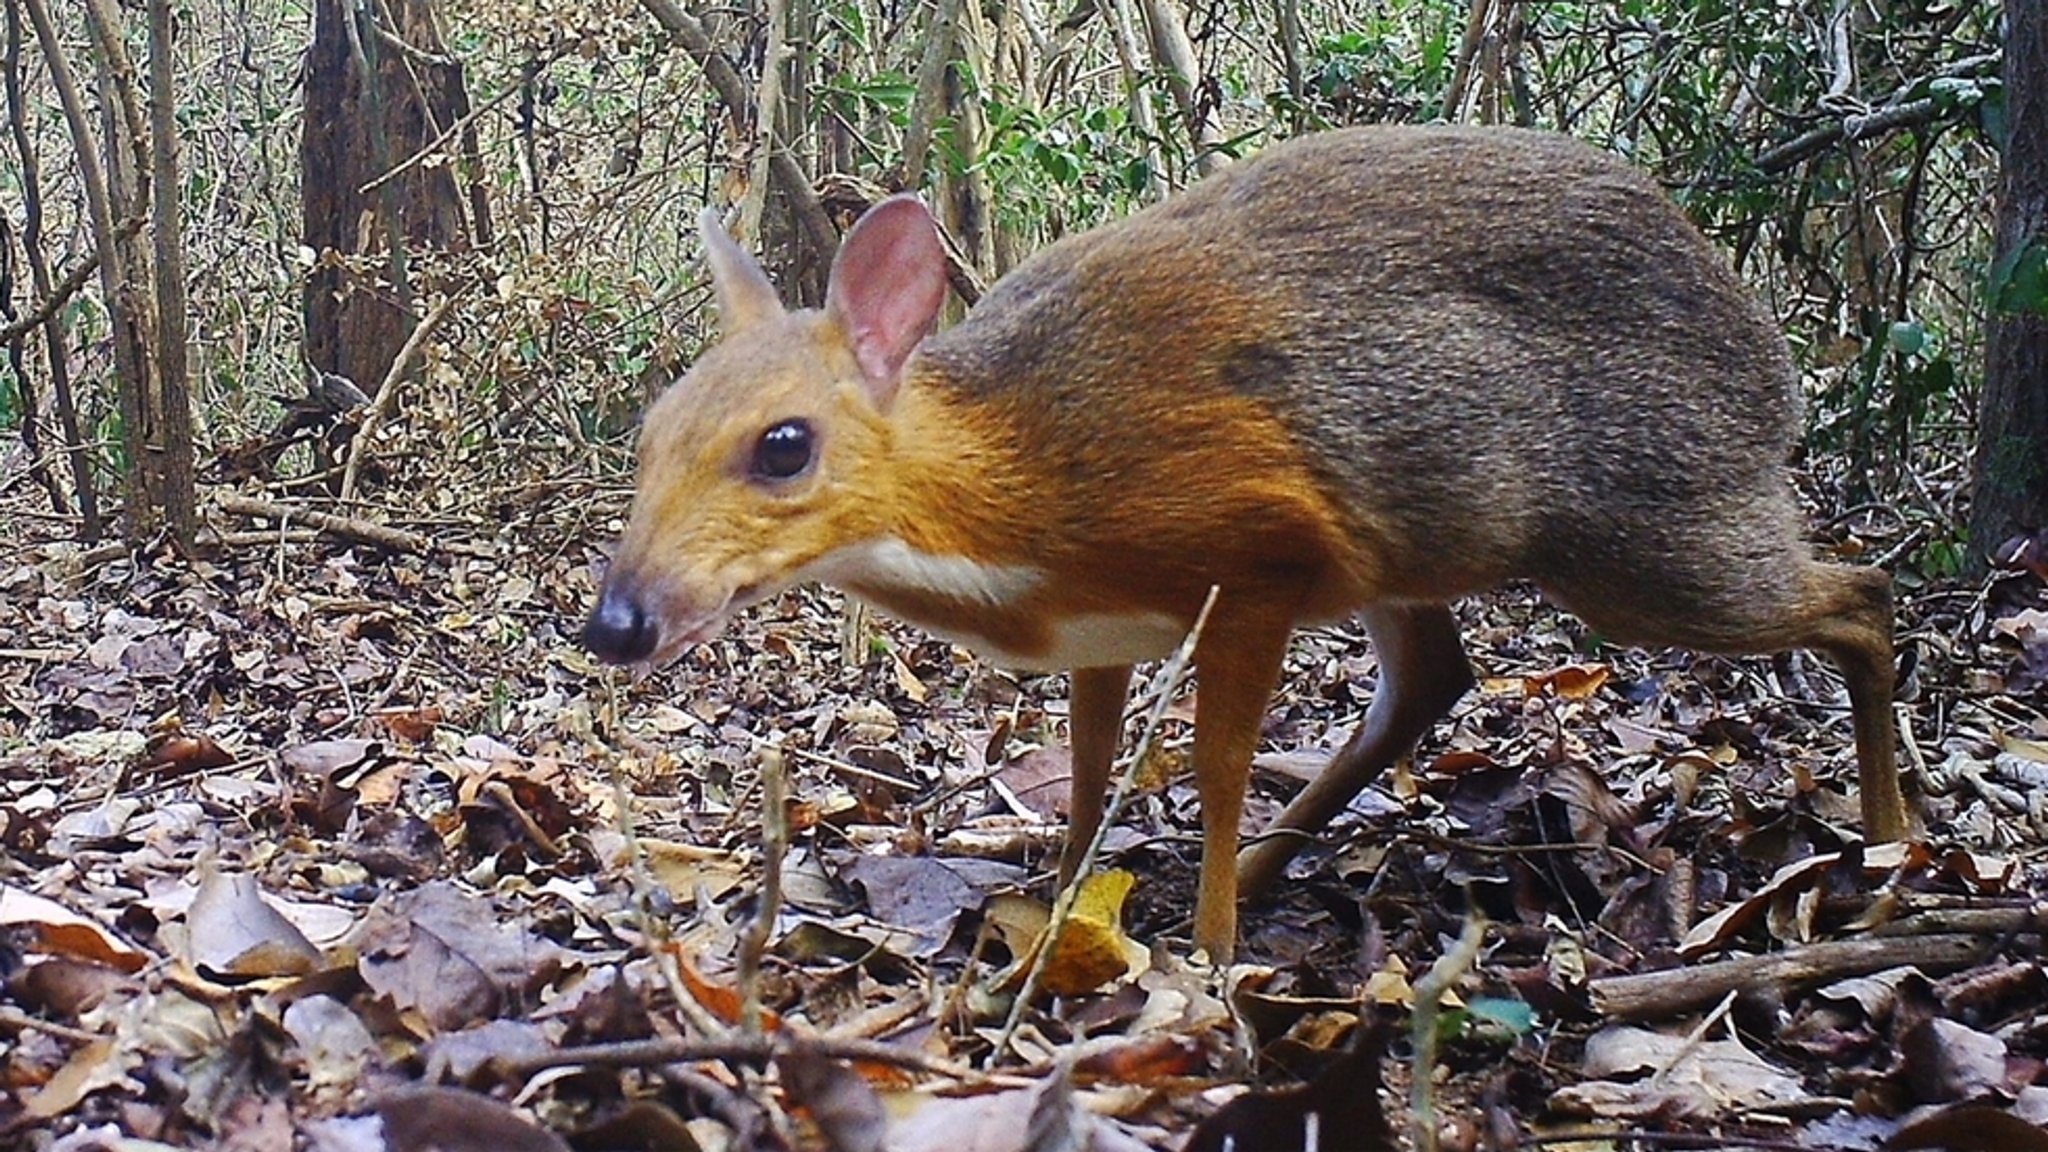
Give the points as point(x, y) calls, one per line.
point(771, 453)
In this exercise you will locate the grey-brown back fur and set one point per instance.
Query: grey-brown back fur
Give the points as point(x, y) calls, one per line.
point(1510, 348)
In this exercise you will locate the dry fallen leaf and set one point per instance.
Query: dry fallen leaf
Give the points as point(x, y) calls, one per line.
point(1571, 681)
point(59, 931)
point(1654, 1074)
point(231, 931)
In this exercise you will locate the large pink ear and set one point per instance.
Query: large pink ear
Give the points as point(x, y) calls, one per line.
point(745, 295)
point(888, 282)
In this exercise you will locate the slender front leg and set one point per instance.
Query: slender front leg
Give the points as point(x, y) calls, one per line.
point(1095, 722)
point(1423, 672)
point(1237, 665)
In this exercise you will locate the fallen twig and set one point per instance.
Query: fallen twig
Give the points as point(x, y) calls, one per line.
point(751, 1049)
point(348, 527)
point(1656, 995)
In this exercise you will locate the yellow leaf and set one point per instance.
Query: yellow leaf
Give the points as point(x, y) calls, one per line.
point(1092, 950)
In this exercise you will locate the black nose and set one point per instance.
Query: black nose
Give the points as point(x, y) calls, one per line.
point(620, 630)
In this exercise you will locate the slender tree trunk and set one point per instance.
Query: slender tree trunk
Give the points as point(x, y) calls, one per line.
point(1123, 33)
point(967, 192)
point(83, 491)
point(793, 182)
point(1174, 54)
point(2011, 467)
point(91, 526)
point(112, 230)
point(1287, 30)
point(930, 100)
point(1467, 61)
point(171, 404)
point(767, 113)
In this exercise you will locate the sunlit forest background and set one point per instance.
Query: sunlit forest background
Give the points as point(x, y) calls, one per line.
point(523, 179)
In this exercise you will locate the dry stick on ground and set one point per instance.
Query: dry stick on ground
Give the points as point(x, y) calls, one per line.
point(653, 928)
point(1429, 997)
point(1693, 1040)
point(348, 527)
point(751, 1049)
point(768, 902)
point(1658, 995)
point(1169, 675)
point(387, 392)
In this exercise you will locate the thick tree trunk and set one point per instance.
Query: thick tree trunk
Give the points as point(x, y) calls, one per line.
point(2011, 468)
point(372, 106)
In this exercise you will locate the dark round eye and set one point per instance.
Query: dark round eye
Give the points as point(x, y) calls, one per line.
point(784, 451)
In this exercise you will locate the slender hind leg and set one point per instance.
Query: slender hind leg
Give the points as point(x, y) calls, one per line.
point(1843, 611)
point(1852, 622)
point(1423, 671)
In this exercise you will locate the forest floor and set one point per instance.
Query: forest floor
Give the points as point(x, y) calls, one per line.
point(313, 842)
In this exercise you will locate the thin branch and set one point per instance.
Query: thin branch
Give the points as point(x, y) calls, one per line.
point(732, 89)
point(768, 901)
point(1174, 54)
point(173, 398)
point(1468, 56)
point(1063, 905)
point(1890, 117)
point(433, 146)
point(768, 102)
point(929, 101)
point(54, 351)
point(387, 393)
point(1449, 968)
point(60, 294)
point(107, 234)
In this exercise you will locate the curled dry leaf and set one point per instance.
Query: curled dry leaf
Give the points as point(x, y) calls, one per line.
point(56, 930)
point(424, 1119)
point(1571, 682)
point(1651, 1074)
point(1971, 1128)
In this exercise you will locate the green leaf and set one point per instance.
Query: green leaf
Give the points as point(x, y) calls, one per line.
point(1908, 337)
point(1057, 163)
point(1497, 1014)
point(2019, 279)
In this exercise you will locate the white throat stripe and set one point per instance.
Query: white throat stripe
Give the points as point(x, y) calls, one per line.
point(889, 562)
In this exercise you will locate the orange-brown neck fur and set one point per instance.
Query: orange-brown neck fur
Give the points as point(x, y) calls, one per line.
point(1115, 527)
